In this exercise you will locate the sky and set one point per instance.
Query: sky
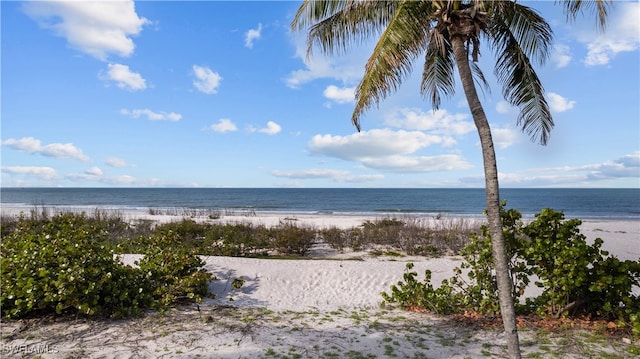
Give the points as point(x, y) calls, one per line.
point(223, 94)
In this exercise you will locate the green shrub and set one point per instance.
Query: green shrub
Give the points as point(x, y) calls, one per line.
point(191, 233)
point(237, 240)
point(63, 266)
point(577, 278)
point(414, 294)
point(60, 269)
point(174, 273)
point(574, 275)
point(291, 239)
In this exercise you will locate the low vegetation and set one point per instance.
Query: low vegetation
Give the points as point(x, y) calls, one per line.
point(577, 280)
point(68, 263)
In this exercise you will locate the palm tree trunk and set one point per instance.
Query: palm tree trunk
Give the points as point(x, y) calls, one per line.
point(500, 260)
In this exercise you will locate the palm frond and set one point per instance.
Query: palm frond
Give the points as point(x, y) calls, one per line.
point(525, 25)
point(601, 8)
point(478, 77)
point(312, 11)
point(404, 38)
point(519, 34)
point(438, 72)
point(336, 25)
point(521, 87)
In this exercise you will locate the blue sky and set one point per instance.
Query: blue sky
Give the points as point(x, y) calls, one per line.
point(221, 94)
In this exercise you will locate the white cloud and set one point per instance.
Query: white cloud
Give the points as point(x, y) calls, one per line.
point(151, 115)
point(626, 166)
point(206, 80)
point(335, 175)
point(95, 174)
point(340, 95)
point(224, 125)
point(120, 180)
point(437, 122)
point(94, 171)
point(46, 173)
point(503, 107)
point(622, 35)
point(271, 129)
point(97, 28)
point(561, 56)
point(504, 137)
point(116, 162)
point(385, 149)
point(413, 164)
point(373, 143)
point(124, 78)
point(558, 103)
point(56, 150)
point(252, 35)
point(588, 175)
point(347, 68)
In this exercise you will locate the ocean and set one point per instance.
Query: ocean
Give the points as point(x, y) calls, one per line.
point(575, 203)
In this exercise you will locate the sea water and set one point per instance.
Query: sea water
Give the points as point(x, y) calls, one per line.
point(581, 203)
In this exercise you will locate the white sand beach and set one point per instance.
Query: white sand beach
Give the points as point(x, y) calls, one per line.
point(328, 306)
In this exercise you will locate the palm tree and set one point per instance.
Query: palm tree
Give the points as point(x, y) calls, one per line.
point(448, 33)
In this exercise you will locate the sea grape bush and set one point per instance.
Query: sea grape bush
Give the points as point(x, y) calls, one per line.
point(63, 266)
point(576, 278)
point(175, 273)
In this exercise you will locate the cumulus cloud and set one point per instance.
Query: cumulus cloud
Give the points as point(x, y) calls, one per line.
point(46, 173)
point(622, 35)
point(437, 122)
point(206, 80)
point(504, 137)
point(252, 35)
point(125, 78)
point(415, 164)
point(367, 144)
point(271, 129)
point(339, 95)
point(151, 115)
point(116, 162)
point(223, 125)
point(558, 103)
point(321, 173)
point(56, 150)
point(97, 28)
point(385, 149)
point(561, 56)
